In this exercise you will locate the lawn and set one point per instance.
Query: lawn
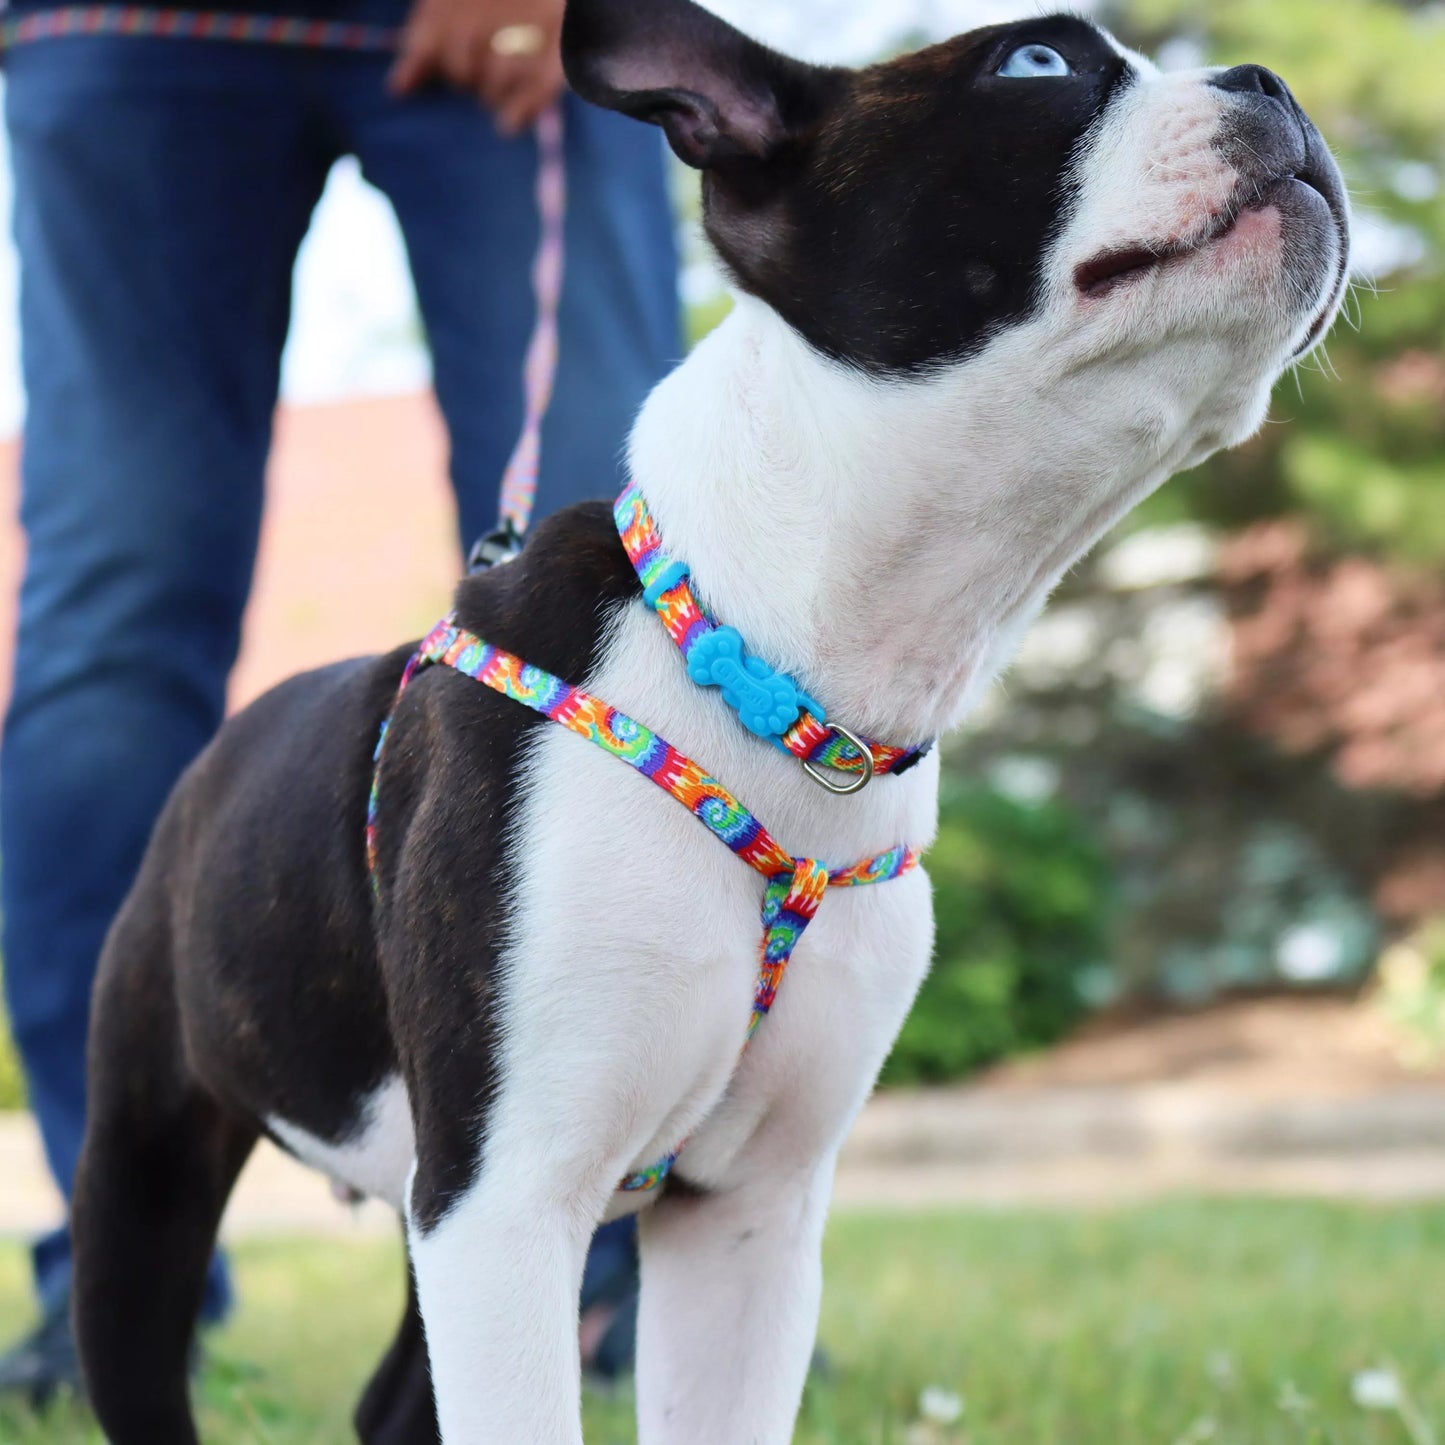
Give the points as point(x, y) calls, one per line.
point(1243, 1323)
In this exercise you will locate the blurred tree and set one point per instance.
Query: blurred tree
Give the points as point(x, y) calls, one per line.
point(1363, 456)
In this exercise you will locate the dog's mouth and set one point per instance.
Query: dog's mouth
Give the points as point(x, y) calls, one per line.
point(1120, 266)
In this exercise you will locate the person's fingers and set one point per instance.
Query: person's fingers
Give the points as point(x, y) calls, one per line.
point(522, 106)
point(521, 87)
point(516, 87)
point(490, 72)
point(417, 62)
point(463, 58)
point(506, 78)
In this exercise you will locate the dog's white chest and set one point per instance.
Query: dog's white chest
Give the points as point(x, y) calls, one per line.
point(636, 936)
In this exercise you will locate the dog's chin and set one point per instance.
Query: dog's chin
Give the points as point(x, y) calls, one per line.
point(1319, 259)
point(1287, 229)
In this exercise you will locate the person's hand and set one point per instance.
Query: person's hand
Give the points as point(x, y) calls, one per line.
point(506, 52)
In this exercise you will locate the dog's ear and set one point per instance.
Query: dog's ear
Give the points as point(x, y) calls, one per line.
point(725, 101)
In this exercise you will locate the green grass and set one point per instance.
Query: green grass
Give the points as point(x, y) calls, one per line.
point(1241, 1322)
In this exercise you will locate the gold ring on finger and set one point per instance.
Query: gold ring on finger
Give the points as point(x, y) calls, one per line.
point(513, 41)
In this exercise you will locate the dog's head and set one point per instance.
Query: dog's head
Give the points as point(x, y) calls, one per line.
point(1037, 276)
point(904, 217)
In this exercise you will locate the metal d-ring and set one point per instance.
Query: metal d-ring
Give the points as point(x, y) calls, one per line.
point(856, 783)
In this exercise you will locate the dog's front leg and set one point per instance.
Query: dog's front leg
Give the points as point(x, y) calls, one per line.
point(731, 1282)
point(498, 1277)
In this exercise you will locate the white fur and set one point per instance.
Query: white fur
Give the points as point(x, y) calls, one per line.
point(375, 1156)
point(886, 542)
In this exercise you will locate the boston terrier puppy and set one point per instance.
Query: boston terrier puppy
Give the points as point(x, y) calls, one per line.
point(989, 295)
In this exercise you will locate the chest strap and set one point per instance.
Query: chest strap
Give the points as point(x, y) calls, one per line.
point(795, 886)
point(767, 702)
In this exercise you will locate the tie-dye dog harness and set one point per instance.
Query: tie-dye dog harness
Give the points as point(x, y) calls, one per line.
point(795, 886)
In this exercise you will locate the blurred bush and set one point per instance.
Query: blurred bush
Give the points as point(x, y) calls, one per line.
point(1022, 900)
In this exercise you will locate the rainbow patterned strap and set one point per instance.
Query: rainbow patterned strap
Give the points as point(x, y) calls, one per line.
point(795, 886)
point(773, 707)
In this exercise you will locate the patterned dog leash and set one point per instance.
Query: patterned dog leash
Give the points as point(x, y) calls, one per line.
point(795, 886)
point(144, 21)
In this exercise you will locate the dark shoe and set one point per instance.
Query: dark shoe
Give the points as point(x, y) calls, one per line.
point(44, 1361)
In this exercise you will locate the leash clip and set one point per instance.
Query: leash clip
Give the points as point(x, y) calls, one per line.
point(495, 547)
point(855, 782)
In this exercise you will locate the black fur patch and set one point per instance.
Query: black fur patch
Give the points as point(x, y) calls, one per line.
point(922, 209)
point(895, 216)
point(397, 1407)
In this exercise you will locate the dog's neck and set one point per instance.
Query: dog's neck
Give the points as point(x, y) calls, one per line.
point(884, 542)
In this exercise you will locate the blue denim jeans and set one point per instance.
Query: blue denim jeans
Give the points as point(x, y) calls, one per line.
point(161, 191)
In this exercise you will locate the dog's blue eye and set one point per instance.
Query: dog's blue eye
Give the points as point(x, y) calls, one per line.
point(1034, 62)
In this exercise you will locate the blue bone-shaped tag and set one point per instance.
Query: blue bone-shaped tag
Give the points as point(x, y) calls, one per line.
point(767, 702)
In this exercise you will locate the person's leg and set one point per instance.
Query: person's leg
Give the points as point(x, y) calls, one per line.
point(465, 200)
point(609, 1300)
point(160, 197)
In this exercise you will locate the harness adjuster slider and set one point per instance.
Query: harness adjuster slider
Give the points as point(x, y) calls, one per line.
point(663, 583)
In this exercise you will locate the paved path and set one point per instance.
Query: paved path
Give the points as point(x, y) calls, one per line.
point(984, 1147)
point(1099, 1145)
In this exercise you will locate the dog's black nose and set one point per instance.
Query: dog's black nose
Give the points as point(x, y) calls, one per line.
point(1253, 80)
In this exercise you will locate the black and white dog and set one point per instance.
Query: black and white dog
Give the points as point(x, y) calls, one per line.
point(990, 295)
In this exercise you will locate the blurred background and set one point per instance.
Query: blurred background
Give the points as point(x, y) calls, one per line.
point(1191, 880)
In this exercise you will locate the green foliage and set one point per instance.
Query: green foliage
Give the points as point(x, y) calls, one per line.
point(12, 1086)
point(1363, 455)
point(699, 319)
point(1021, 898)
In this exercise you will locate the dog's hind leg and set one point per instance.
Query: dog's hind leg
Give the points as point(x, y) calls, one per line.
point(397, 1408)
point(147, 1205)
point(159, 1160)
